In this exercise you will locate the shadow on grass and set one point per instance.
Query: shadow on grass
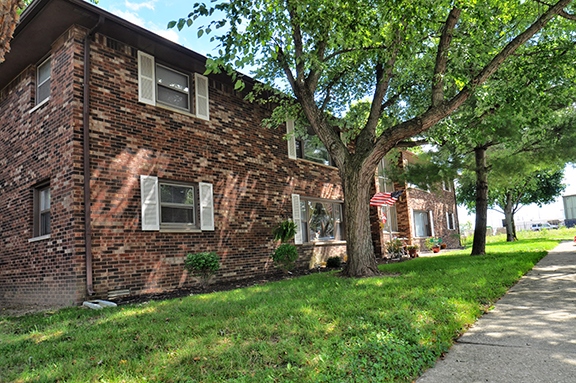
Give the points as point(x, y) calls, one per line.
point(315, 328)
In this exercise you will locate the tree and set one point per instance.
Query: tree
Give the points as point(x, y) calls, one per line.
point(517, 112)
point(417, 62)
point(9, 13)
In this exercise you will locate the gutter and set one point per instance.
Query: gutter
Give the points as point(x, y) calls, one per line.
point(86, 155)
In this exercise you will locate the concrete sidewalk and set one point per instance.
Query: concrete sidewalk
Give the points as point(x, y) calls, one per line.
point(529, 337)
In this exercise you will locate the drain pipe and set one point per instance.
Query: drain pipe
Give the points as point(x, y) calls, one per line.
point(86, 153)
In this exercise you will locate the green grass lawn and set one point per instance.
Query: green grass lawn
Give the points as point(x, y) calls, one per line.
point(318, 328)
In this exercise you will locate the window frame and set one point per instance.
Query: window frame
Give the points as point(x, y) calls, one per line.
point(48, 80)
point(337, 218)
point(151, 205)
point(40, 229)
point(429, 229)
point(171, 89)
point(195, 216)
point(450, 221)
point(198, 104)
point(296, 146)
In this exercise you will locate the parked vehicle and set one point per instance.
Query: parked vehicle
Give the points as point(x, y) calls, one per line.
point(542, 226)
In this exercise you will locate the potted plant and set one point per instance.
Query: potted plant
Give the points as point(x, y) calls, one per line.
point(433, 244)
point(412, 250)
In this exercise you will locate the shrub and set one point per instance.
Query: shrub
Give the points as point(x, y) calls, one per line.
point(334, 262)
point(203, 265)
point(285, 256)
point(285, 231)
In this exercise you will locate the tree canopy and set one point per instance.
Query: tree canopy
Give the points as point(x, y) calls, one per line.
point(413, 62)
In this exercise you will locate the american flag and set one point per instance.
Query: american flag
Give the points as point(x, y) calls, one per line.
point(381, 199)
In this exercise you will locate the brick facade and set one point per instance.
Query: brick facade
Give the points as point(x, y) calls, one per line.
point(436, 203)
point(247, 164)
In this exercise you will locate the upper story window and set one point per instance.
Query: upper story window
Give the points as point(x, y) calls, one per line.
point(172, 88)
point(307, 146)
point(43, 81)
point(161, 85)
point(42, 217)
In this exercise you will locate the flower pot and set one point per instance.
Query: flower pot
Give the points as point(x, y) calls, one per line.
point(436, 249)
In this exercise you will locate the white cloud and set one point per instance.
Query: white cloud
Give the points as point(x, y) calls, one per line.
point(170, 34)
point(131, 17)
point(138, 6)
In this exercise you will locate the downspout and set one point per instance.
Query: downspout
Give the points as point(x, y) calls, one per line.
point(86, 153)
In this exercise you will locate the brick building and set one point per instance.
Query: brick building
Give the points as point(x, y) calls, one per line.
point(118, 157)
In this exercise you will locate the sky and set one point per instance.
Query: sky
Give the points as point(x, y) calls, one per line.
point(154, 15)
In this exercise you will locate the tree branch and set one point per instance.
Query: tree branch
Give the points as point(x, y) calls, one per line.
point(298, 45)
point(442, 56)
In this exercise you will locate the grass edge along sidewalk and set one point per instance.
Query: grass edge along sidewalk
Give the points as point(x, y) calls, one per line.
point(318, 328)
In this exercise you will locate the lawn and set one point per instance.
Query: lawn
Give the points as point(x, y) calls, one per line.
point(317, 328)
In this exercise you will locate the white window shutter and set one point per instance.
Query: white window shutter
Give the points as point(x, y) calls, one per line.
point(291, 139)
point(296, 217)
point(146, 79)
point(202, 100)
point(431, 216)
point(206, 206)
point(150, 203)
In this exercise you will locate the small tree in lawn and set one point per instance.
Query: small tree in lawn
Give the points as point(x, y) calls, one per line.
point(203, 265)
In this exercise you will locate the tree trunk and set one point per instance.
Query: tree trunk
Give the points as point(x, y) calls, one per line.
point(361, 258)
point(479, 244)
point(509, 219)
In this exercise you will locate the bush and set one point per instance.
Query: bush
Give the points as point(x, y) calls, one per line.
point(203, 265)
point(285, 256)
point(334, 262)
point(285, 231)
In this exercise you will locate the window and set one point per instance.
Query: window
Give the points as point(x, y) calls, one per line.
point(172, 88)
point(42, 216)
point(176, 206)
point(43, 81)
point(161, 85)
point(422, 224)
point(450, 222)
point(317, 220)
point(308, 146)
point(447, 186)
point(386, 185)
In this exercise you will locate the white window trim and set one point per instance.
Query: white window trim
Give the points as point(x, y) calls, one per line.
point(297, 218)
point(450, 222)
point(38, 84)
point(150, 207)
point(147, 81)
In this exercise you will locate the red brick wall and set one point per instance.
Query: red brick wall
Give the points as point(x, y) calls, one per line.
point(248, 165)
point(37, 146)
